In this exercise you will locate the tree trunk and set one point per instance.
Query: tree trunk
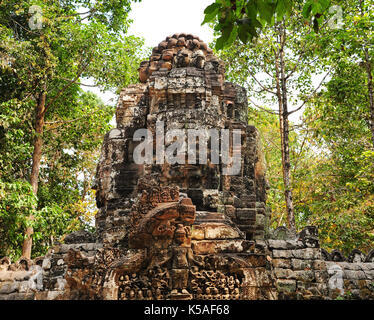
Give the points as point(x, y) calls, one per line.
point(284, 128)
point(370, 92)
point(370, 82)
point(36, 158)
point(280, 111)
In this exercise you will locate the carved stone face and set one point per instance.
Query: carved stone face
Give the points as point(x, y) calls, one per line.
point(182, 59)
point(180, 234)
point(198, 59)
point(165, 196)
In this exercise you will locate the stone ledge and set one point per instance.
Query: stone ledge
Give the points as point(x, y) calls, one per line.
point(219, 246)
point(210, 231)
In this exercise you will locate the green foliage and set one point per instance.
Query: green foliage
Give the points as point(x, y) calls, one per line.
point(340, 180)
point(244, 19)
point(332, 162)
point(16, 204)
point(65, 203)
point(340, 197)
point(78, 40)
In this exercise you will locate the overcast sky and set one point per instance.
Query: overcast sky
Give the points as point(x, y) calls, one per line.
point(154, 20)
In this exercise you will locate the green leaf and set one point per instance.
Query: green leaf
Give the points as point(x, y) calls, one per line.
point(307, 9)
point(223, 40)
point(233, 35)
point(251, 9)
point(244, 33)
point(266, 10)
point(210, 13)
point(212, 8)
point(281, 9)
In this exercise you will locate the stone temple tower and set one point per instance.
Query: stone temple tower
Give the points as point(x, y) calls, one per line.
point(183, 86)
point(181, 213)
point(185, 229)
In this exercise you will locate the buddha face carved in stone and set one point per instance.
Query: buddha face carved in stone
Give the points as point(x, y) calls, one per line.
point(182, 59)
point(180, 234)
point(198, 59)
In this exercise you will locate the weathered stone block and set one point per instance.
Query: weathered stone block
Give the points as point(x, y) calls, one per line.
point(260, 220)
point(197, 232)
point(255, 260)
point(217, 246)
point(282, 263)
point(319, 265)
point(277, 244)
point(281, 273)
point(282, 254)
point(220, 231)
point(304, 275)
point(354, 275)
point(286, 285)
point(257, 277)
point(8, 287)
point(307, 253)
point(299, 264)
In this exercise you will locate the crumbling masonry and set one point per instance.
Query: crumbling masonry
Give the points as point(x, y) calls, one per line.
point(185, 231)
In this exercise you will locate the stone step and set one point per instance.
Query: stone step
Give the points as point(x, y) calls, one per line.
point(216, 231)
point(208, 216)
point(221, 246)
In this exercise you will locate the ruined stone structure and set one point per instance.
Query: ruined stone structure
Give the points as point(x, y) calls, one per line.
point(185, 231)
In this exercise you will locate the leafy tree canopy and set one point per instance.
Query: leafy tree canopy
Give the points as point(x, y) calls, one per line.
point(75, 40)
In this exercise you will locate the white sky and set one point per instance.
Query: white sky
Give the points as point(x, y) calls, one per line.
point(154, 20)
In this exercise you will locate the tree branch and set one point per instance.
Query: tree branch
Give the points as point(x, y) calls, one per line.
point(260, 84)
point(309, 97)
point(60, 92)
point(263, 109)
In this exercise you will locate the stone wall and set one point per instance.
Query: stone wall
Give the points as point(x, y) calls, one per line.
point(20, 280)
point(287, 267)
